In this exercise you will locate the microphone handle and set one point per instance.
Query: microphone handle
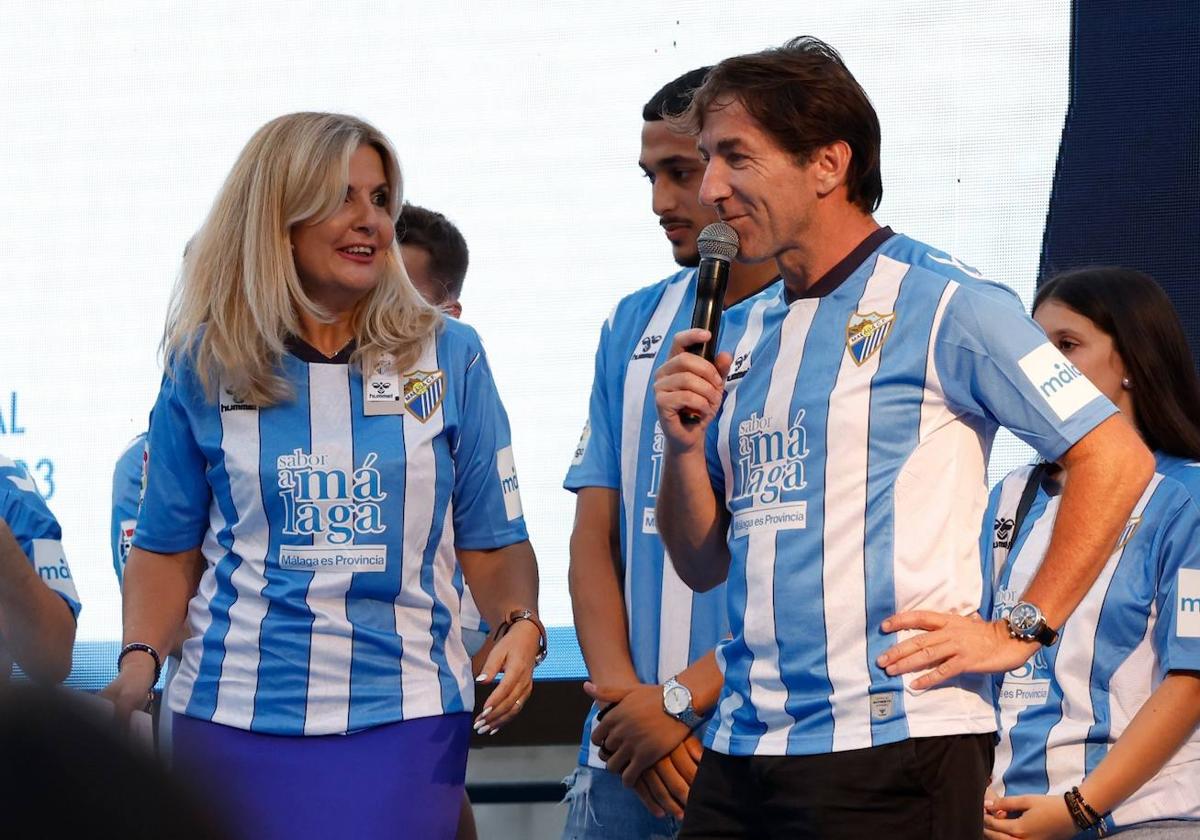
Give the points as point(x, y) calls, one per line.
point(711, 280)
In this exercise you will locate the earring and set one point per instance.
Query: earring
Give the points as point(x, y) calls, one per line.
point(1126, 384)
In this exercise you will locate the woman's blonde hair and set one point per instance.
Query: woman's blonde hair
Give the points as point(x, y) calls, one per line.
point(239, 297)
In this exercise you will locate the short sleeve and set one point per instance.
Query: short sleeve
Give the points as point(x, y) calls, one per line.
point(994, 362)
point(175, 508)
point(487, 495)
point(597, 460)
point(36, 531)
point(127, 483)
point(1177, 633)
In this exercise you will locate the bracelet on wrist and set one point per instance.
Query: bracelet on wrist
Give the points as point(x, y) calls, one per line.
point(1084, 815)
point(145, 648)
point(524, 615)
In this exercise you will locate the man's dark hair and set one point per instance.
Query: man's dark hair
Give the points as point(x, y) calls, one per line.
point(675, 96)
point(804, 98)
point(448, 256)
point(1136, 313)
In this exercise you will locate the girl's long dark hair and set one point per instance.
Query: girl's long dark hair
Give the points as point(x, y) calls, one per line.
point(1134, 310)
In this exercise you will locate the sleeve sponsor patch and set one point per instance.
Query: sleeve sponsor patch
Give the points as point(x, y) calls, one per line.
point(509, 485)
point(581, 447)
point(1059, 382)
point(1187, 610)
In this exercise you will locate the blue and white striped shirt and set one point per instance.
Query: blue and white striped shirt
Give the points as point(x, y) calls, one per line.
point(36, 530)
point(852, 462)
point(1061, 712)
point(330, 601)
point(622, 448)
point(127, 485)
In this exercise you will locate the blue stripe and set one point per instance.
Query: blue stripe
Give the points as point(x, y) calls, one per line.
point(203, 701)
point(452, 700)
point(376, 684)
point(285, 638)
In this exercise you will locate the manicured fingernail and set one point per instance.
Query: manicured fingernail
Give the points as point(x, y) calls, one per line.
point(482, 678)
point(486, 712)
point(482, 729)
point(497, 729)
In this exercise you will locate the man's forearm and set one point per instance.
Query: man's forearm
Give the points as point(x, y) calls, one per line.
point(1106, 474)
point(35, 622)
point(601, 622)
point(691, 521)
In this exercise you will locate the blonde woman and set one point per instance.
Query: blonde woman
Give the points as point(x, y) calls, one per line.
point(325, 452)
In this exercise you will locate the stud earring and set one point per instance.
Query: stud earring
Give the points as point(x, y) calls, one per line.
point(1126, 384)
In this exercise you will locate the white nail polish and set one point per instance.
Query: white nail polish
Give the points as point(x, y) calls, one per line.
point(486, 712)
point(482, 678)
point(494, 731)
point(482, 730)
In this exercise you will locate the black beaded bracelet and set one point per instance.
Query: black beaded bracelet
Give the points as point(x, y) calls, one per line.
point(132, 646)
point(1076, 811)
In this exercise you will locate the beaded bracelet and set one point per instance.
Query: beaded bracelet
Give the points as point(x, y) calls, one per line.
point(132, 646)
point(1084, 815)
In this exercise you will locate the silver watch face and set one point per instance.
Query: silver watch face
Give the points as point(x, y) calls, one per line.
point(1024, 618)
point(676, 700)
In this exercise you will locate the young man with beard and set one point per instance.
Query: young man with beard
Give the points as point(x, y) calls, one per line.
point(646, 638)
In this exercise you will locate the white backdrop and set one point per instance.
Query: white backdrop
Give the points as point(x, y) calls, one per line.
point(518, 119)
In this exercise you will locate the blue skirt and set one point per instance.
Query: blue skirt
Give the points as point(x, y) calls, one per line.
point(399, 780)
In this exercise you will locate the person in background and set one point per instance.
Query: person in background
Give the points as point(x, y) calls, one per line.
point(435, 256)
point(646, 638)
point(845, 478)
point(1099, 729)
point(297, 355)
point(38, 602)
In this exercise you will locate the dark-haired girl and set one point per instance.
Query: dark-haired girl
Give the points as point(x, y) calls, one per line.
point(1098, 731)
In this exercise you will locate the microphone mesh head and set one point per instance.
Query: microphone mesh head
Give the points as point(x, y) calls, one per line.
point(718, 240)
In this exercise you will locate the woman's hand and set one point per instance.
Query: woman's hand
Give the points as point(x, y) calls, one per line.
point(130, 690)
point(1039, 818)
point(513, 655)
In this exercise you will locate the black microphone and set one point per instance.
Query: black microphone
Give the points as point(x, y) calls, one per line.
point(718, 245)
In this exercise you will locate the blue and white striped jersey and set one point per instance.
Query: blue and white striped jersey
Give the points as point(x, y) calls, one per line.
point(128, 483)
point(330, 601)
point(35, 530)
point(852, 461)
point(1061, 712)
point(622, 448)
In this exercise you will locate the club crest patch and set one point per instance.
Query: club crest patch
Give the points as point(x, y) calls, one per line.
point(423, 391)
point(866, 332)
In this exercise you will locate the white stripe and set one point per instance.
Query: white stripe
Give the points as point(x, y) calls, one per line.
point(1024, 568)
point(414, 607)
point(768, 694)
point(637, 379)
point(724, 717)
point(843, 567)
point(1066, 746)
point(327, 708)
point(445, 564)
point(251, 533)
point(938, 501)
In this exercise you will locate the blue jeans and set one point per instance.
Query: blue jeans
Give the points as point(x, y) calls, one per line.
point(600, 807)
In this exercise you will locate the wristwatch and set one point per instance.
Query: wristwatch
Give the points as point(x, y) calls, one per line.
point(1026, 622)
point(677, 702)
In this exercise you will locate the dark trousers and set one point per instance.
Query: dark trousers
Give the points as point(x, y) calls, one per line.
point(919, 789)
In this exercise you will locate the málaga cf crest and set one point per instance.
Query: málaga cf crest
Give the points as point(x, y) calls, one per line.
point(866, 332)
point(423, 392)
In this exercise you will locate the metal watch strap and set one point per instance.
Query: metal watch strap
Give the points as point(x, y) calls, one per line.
point(688, 717)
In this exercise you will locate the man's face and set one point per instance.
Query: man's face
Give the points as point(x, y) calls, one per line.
point(417, 264)
point(756, 187)
point(674, 167)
